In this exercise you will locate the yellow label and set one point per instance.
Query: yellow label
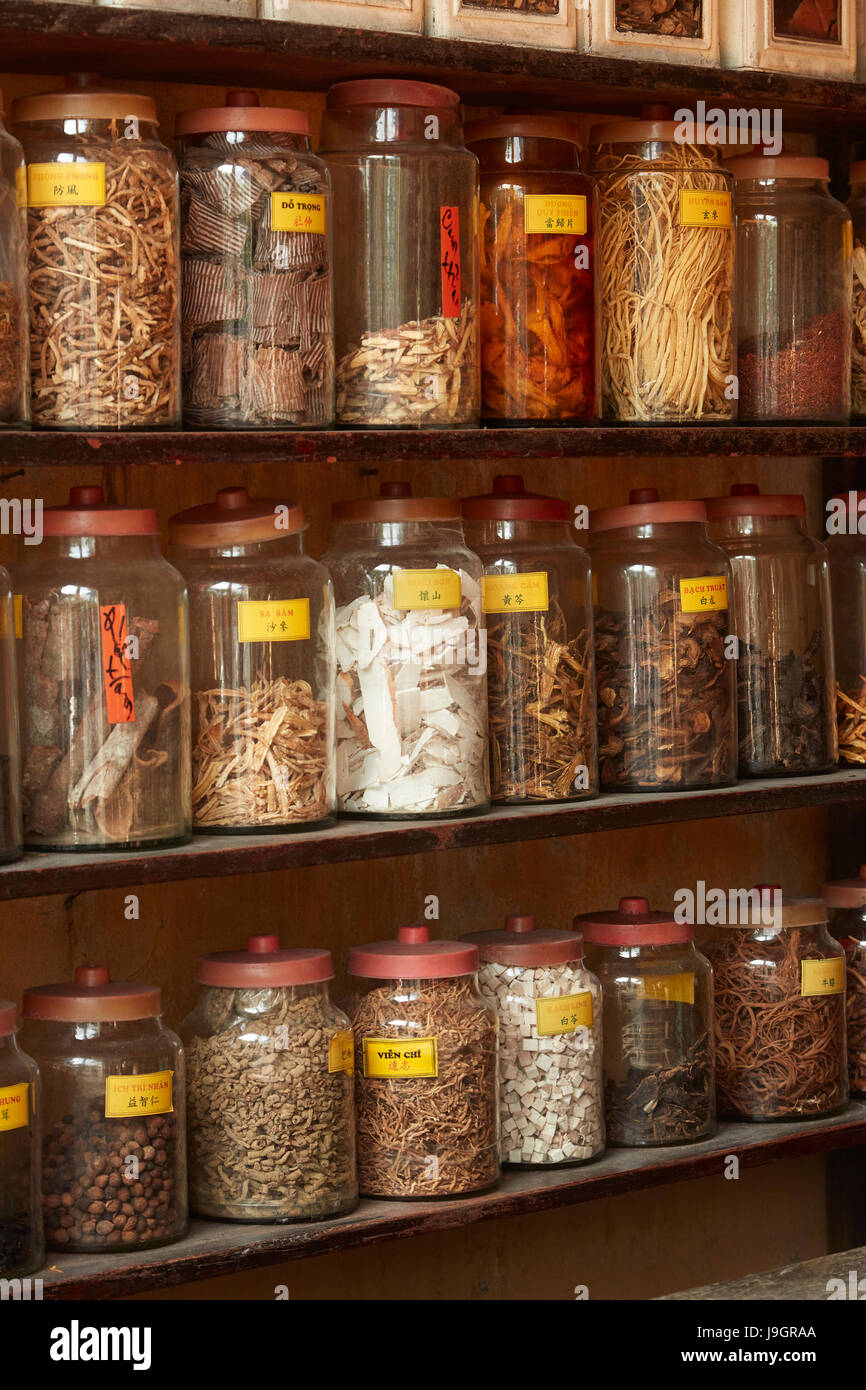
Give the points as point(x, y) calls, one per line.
point(555, 212)
point(66, 185)
point(14, 1106)
point(127, 1095)
point(277, 620)
point(387, 1058)
point(701, 209)
point(822, 976)
point(697, 595)
point(341, 1054)
point(515, 593)
point(672, 989)
point(18, 603)
point(21, 186)
point(299, 212)
point(426, 589)
point(563, 1014)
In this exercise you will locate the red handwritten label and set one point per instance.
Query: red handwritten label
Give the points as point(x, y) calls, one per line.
point(449, 226)
point(116, 667)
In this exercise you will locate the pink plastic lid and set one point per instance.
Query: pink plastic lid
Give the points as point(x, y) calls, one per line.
point(88, 514)
point(8, 1018)
point(411, 955)
point(645, 509)
point(264, 963)
point(746, 499)
point(633, 925)
point(522, 943)
point(396, 503)
point(93, 998)
point(241, 112)
point(387, 91)
point(509, 501)
point(846, 892)
point(235, 517)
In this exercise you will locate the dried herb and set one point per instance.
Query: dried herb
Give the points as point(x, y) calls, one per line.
point(801, 375)
point(782, 714)
point(814, 20)
point(523, 6)
point(851, 723)
point(858, 336)
point(855, 1006)
point(667, 1104)
point(675, 19)
point(423, 373)
point(12, 355)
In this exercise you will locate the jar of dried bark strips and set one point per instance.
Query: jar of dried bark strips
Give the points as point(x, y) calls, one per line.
point(22, 1243)
point(551, 1106)
point(10, 756)
point(14, 355)
point(537, 600)
point(270, 1093)
point(781, 616)
point(665, 673)
point(114, 1146)
point(657, 996)
point(667, 267)
point(846, 900)
point(857, 208)
point(258, 320)
point(406, 278)
point(425, 1068)
point(104, 680)
point(262, 662)
point(103, 261)
point(780, 1013)
point(846, 552)
point(794, 272)
point(411, 658)
point(539, 288)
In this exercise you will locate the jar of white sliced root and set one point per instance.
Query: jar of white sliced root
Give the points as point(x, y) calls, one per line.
point(550, 1060)
point(411, 658)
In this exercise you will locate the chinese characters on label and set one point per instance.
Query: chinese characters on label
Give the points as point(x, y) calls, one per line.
point(116, 664)
point(449, 227)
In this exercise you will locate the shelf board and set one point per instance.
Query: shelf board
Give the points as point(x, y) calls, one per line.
point(210, 856)
point(804, 1282)
point(216, 1248)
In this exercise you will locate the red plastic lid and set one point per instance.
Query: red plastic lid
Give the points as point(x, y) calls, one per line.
point(8, 1018)
point(777, 166)
point(633, 925)
point(388, 91)
point(241, 112)
point(88, 514)
point(234, 516)
point(522, 943)
point(396, 503)
point(645, 509)
point(533, 127)
point(509, 501)
point(84, 98)
point(93, 998)
point(264, 963)
point(411, 955)
point(846, 892)
point(746, 499)
point(655, 123)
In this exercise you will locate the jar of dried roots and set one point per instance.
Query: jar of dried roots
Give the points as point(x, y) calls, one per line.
point(846, 900)
point(270, 1097)
point(262, 660)
point(426, 1082)
point(846, 552)
point(22, 1242)
point(657, 995)
point(14, 355)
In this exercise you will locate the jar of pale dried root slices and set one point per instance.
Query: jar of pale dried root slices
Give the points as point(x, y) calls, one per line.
point(261, 637)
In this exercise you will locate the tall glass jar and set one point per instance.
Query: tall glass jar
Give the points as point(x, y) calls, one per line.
point(270, 1065)
point(536, 594)
point(782, 618)
point(846, 900)
point(846, 553)
point(551, 1101)
point(114, 1134)
point(411, 658)
point(103, 261)
point(10, 752)
point(665, 674)
point(426, 1081)
point(794, 291)
point(406, 278)
point(104, 681)
point(22, 1242)
point(262, 664)
point(780, 1013)
point(14, 309)
point(667, 265)
point(539, 286)
point(258, 314)
point(657, 998)
point(857, 209)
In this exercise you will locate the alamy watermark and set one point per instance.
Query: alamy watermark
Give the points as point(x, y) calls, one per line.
point(735, 907)
point(736, 126)
point(22, 516)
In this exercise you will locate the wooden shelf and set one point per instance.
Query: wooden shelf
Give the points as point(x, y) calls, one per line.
point(217, 856)
point(215, 1248)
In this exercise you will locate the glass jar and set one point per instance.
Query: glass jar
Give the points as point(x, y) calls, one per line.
point(667, 267)
point(270, 1064)
point(258, 313)
point(551, 1102)
point(782, 618)
point(426, 1077)
point(857, 209)
point(665, 674)
point(22, 1243)
point(780, 1013)
point(103, 261)
point(262, 664)
point(539, 288)
point(104, 681)
point(846, 553)
point(794, 291)
point(846, 900)
point(536, 593)
point(411, 658)
point(657, 999)
point(14, 310)
point(406, 278)
point(114, 1144)
point(10, 754)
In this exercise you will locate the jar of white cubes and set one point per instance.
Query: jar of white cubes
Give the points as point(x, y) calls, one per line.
point(550, 1058)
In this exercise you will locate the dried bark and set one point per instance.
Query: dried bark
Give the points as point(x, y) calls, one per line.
point(667, 1104)
point(675, 19)
point(851, 723)
point(423, 373)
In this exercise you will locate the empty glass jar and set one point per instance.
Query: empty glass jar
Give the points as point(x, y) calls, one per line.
point(14, 310)
point(22, 1243)
point(846, 900)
